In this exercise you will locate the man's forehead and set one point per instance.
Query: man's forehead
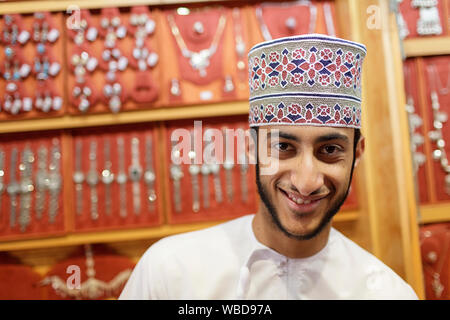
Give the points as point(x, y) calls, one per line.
point(306, 132)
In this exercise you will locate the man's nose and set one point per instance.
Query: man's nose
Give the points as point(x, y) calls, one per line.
point(306, 176)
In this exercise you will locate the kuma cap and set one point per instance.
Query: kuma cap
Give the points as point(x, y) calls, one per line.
point(309, 79)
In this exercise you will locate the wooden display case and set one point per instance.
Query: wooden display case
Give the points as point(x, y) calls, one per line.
point(385, 221)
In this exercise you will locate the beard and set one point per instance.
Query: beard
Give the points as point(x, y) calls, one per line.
point(334, 209)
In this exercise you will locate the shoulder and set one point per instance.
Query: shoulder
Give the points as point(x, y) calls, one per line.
point(375, 279)
point(201, 242)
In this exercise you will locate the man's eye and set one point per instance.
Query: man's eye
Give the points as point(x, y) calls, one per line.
point(282, 146)
point(331, 149)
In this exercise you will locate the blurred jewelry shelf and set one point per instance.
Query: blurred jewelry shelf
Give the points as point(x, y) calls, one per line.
point(432, 213)
point(426, 46)
point(135, 116)
point(74, 239)
point(63, 5)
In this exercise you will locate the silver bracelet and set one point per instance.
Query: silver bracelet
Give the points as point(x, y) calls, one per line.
point(135, 173)
point(92, 179)
point(26, 187)
point(194, 170)
point(176, 173)
point(78, 178)
point(42, 181)
point(2, 177)
point(13, 188)
point(122, 178)
point(228, 165)
point(149, 175)
point(55, 181)
point(107, 176)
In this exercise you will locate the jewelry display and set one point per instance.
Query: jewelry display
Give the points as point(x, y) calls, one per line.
point(415, 121)
point(149, 174)
point(82, 91)
point(55, 181)
point(13, 188)
point(144, 27)
point(83, 30)
point(45, 66)
point(92, 179)
point(13, 32)
point(199, 61)
point(229, 86)
point(228, 165)
point(403, 30)
point(135, 172)
point(82, 62)
point(26, 187)
point(240, 46)
point(439, 117)
point(204, 169)
point(2, 176)
point(176, 173)
point(92, 288)
point(291, 22)
point(42, 181)
point(429, 22)
point(432, 259)
point(214, 169)
point(78, 178)
point(243, 160)
point(175, 88)
point(122, 177)
point(15, 70)
point(194, 171)
point(107, 176)
point(112, 58)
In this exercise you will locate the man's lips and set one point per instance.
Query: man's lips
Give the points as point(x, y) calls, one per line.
point(301, 204)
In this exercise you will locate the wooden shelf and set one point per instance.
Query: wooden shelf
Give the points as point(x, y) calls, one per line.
point(161, 114)
point(420, 47)
point(115, 236)
point(435, 213)
point(63, 5)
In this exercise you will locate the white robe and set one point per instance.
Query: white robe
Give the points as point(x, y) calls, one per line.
point(227, 262)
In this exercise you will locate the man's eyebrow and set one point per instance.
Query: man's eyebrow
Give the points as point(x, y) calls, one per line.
point(332, 136)
point(283, 135)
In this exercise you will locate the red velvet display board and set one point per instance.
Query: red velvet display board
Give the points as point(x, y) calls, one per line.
point(442, 64)
point(18, 281)
point(145, 217)
point(105, 221)
point(140, 89)
point(37, 227)
point(435, 250)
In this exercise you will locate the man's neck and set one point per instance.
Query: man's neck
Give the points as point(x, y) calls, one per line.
point(267, 233)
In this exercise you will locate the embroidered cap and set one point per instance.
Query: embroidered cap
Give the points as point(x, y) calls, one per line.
point(306, 80)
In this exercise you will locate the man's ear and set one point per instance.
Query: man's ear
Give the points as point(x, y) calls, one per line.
point(359, 150)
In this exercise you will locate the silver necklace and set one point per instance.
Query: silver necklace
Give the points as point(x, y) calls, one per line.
point(198, 60)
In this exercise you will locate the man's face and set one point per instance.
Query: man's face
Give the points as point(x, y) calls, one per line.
point(315, 165)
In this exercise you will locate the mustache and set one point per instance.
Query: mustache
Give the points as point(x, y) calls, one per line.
point(289, 187)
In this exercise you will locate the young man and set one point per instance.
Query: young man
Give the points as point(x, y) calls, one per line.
point(305, 102)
